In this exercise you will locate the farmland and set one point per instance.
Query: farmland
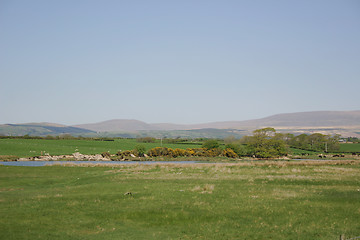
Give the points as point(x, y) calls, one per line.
point(271, 200)
point(242, 200)
point(350, 147)
point(34, 147)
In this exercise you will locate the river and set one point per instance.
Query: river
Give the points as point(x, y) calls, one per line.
point(48, 163)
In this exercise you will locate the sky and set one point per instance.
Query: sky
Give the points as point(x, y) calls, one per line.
point(180, 61)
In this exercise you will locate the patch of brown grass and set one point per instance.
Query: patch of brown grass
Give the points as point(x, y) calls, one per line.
point(207, 188)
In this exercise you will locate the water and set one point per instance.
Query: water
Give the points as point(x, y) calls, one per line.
point(46, 163)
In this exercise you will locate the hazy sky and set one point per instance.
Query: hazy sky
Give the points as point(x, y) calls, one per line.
point(179, 61)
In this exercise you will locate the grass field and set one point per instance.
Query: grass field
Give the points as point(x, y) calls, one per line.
point(350, 147)
point(34, 147)
point(278, 200)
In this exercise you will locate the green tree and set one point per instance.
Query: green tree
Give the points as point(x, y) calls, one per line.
point(333, 143)
point(210, 144)
point(265, 144)
point(139, 150)
point(316, 142)
point(239, 149)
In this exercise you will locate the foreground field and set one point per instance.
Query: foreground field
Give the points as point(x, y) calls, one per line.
point(275, 200)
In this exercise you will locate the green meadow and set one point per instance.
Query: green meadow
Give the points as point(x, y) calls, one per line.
point(350, 147)
point(261, 200)
point(34, 147)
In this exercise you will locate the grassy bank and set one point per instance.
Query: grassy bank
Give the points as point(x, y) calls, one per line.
point(278, 200)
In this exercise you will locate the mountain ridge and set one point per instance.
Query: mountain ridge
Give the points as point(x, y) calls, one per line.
point(297, 119)
point(346, 123)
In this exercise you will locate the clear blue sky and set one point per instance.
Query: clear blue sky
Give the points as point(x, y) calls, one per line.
point(183, 61)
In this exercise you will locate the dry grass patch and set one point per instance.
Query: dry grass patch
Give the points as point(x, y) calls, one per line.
point(207, 188)
point(283, 194)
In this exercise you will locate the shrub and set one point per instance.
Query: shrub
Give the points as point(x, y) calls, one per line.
point(146, 140)
point(229, 153)
point(190, 152)
point(210, 144)
point(214, 152)
point(179, 152)
point(199, 152)
point(158, 152)
point(239, 149)
point(139, 150)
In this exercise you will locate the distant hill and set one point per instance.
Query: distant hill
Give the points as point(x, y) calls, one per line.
point(300, 119)
point(313, 119)
point(40, 129)
point(346, 123)
point(118, 125)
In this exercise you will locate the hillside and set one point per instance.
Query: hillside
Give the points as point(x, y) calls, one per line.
point(345, 123)
point(40, 129)
point(118, 125)
point(301, 119)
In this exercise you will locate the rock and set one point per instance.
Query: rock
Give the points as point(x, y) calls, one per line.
point(78, 156)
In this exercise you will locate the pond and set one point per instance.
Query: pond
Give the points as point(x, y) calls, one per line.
point(48, 163)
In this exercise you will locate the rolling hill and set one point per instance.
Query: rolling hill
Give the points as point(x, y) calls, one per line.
point(300, 119)
point(345, 123)
point(41, 129)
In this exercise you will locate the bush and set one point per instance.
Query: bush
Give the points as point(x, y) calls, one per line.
point(158, 152)
point(193, 152)
point(229, 153)
point(210, 144)
point(139, 150)
point(179, 152)
point(214, 152)
point(146, 140)
point(200, 152)
point(239, 149)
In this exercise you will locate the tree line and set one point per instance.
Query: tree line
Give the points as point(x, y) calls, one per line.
point(264, 143)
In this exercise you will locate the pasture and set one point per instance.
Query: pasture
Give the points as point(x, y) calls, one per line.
point(34, 147)
point(350, 147)
point(268, 200)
